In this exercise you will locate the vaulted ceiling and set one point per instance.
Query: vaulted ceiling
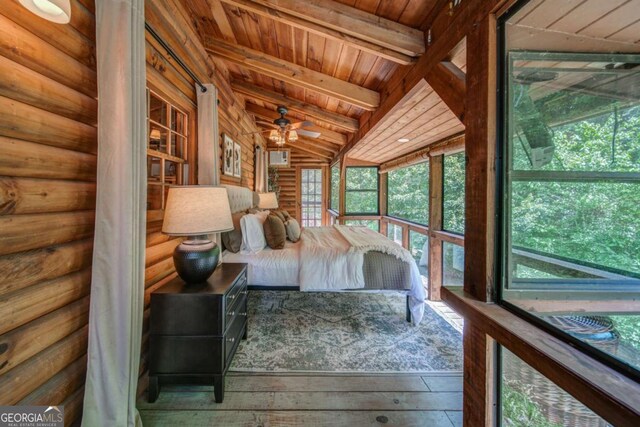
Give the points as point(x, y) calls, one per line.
point(325, 60)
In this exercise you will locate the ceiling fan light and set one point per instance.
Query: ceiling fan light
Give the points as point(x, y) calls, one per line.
point(293, 136)
point(274, 135)
point(58, 11)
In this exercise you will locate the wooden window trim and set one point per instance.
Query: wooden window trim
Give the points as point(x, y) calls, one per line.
point(607, 392)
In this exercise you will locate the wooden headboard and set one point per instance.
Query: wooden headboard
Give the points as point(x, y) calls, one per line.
point(240, 198)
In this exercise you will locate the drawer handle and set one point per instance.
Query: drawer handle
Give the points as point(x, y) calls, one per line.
point(242, 314)
point(232, 296)
point(231, 340)
point(244, 292)
point(233, 313)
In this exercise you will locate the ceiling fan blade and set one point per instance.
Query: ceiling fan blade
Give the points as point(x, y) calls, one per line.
point(300, 125)
point(308, 133)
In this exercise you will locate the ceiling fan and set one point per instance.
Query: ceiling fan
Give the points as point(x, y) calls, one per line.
point(282, 130)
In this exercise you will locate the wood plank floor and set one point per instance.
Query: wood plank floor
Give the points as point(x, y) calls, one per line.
point(259, 400)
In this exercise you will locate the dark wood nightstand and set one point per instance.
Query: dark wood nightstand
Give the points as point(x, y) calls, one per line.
point(195, 329)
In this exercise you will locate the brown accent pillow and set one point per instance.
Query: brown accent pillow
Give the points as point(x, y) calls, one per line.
point(279, 214)
point(274, 232)
point(286, 215)
point(232, 240)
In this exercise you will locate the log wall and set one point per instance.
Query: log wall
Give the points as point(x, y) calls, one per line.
point(48, 150)
point(169, 19)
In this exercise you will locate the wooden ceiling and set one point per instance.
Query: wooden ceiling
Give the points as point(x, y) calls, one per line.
point(334, 62)
point(325, 60)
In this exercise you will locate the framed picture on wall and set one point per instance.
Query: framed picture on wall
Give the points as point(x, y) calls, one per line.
point(227, 167)
point(237, 160)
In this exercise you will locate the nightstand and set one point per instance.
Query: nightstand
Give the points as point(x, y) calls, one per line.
point(195, 329)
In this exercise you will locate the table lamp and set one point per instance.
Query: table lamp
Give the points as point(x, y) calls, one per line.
point(195, 211)
point(267, 201)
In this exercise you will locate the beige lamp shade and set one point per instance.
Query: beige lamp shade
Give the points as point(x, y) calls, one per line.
point(58, 11)
point(193, 210)
point(267, 201)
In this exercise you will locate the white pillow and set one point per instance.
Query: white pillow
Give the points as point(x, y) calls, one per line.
point(253, 240)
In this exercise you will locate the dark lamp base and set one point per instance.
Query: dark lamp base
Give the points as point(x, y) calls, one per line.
point(195, 260)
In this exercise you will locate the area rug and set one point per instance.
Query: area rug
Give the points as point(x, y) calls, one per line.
point(344, 332)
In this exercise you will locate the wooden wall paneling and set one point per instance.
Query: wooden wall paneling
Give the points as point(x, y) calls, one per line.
point(480, 142)
point(47, 198)
point(21, 46)
point(436, 170)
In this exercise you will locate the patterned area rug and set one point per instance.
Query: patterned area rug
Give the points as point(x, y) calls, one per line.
point(292, 331)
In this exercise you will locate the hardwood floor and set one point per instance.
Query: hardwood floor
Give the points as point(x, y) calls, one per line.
point(259, 400)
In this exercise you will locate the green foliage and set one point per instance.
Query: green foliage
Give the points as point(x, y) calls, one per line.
point(408, 193)
point(629, 329)
point(453, 193)
point(361, 190)
point(596, 222)
point(518, 410)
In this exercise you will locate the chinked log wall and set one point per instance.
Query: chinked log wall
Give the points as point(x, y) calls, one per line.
point(169, 19)
point(48, 149)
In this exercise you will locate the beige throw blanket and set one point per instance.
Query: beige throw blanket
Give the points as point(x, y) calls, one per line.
point(363, 240)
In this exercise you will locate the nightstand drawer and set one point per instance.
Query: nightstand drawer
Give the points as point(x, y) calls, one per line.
point(239, 310)
point(233, 336)
point(236, 293)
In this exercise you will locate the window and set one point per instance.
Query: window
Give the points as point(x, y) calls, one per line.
point(362, 190)
point(571, 183)
point(419, 248)
point(452, 264)
point(530, 399)
point(335, 188)
point(394, 232)
point(311, 206)
point(453, 193)
point(408, 193)
point(167, 149)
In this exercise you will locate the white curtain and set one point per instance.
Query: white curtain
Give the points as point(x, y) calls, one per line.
point(208, 142)
point(117, 285)
point(262, 171)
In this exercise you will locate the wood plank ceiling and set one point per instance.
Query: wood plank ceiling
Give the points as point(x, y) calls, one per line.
point(331, 62)
point(327, 68)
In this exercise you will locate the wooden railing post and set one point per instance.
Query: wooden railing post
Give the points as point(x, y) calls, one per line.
point(435, 224)
point(382, 201)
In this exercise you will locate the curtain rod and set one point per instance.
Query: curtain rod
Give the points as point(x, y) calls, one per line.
point(172, 54)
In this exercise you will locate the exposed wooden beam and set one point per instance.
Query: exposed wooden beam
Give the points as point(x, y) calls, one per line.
point(449, 82)
point(221, 19)
point(260, 93)
point(270, 115)
point(321, 29)
point(294, 74)
point(447, 29)
point(480, 141)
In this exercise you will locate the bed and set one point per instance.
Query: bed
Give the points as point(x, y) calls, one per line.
point(335, 259)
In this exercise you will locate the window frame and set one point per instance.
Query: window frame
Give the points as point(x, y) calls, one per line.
point(444, 174)
point(377, 191)
point(502, 210)
point(163, 157)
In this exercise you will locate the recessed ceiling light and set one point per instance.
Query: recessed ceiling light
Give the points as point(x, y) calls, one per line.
point(403, 140)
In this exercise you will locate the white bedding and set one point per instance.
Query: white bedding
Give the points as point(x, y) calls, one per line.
point(270, 267)
point(323, 260)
